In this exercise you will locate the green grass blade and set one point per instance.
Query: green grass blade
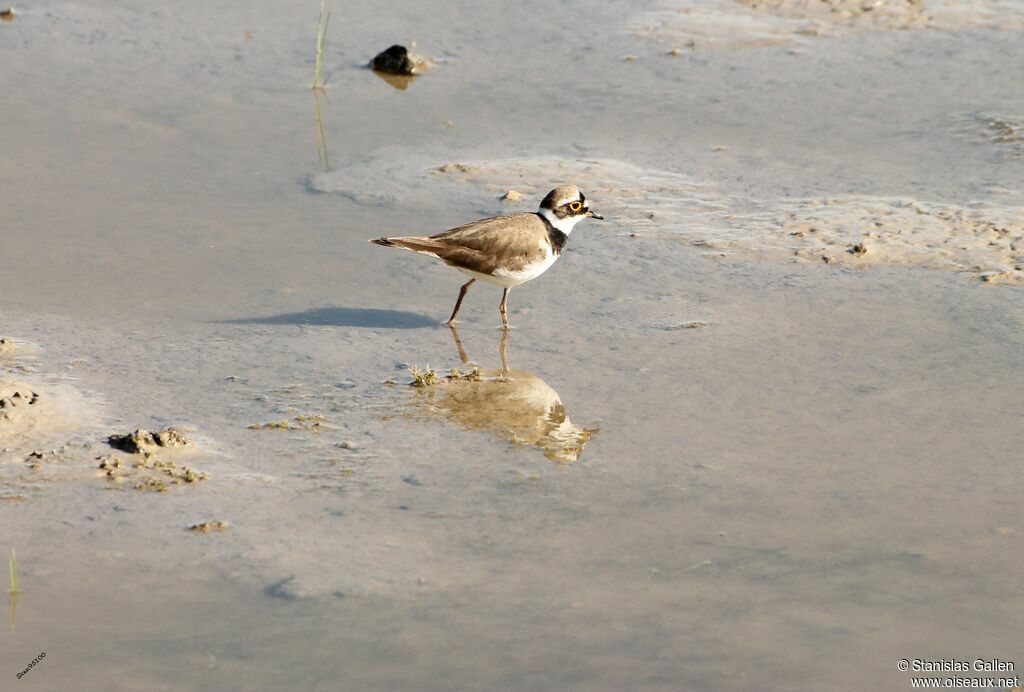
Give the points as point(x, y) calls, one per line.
point(14, 572)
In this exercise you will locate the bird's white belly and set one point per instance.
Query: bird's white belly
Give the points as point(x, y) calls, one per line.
point(508, 279)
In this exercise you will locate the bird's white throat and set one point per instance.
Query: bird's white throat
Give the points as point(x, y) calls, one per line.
point(564, 225)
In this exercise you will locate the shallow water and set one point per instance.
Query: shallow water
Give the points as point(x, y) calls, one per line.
point(817, 483)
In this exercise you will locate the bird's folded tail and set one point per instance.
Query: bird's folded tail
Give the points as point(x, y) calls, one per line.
point(414, 243)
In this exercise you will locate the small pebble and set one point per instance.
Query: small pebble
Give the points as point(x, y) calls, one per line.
point(693, 324)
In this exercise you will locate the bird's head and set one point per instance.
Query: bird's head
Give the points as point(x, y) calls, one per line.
point(566, 206)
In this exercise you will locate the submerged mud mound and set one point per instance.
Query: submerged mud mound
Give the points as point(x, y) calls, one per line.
point(987, 241)
point(984, 239)
point(1004, 134)
point(622, 188)
point(39, 413)
point(46, 423)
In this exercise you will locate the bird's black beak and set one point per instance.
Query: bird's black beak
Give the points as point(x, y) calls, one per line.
point(594, 215)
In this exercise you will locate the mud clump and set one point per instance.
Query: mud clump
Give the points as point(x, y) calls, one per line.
point(143, 440)
point(454, 168)
point(147, 473)
point(19, 399)
point(209, 527)
point(109, 463)
point(302, 422)
point(1013, 276)
point(35, 460)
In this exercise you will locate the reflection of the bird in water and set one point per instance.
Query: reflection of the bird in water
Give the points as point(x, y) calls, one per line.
point(514, 405)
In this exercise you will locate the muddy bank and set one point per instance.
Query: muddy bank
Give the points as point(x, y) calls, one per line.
point(730, 24)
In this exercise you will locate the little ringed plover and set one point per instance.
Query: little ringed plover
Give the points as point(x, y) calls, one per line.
point(504, 250)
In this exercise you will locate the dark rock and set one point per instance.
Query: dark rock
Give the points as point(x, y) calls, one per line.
point(395, 60)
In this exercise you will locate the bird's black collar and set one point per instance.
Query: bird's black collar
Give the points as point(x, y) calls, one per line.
point(556, 236)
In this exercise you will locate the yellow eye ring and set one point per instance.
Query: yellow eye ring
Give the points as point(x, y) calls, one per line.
point(575, 206)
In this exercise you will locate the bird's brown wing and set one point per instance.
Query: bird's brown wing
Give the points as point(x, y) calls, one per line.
point(512, 241)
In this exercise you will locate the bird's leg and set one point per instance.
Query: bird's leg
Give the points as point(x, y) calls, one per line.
point(504, 304)
point(458, 303)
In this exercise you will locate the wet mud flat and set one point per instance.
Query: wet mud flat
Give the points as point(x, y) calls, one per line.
point(759, 429)
point(354, 500)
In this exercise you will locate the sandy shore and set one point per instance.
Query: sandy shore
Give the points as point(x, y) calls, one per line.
point(757, 430)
